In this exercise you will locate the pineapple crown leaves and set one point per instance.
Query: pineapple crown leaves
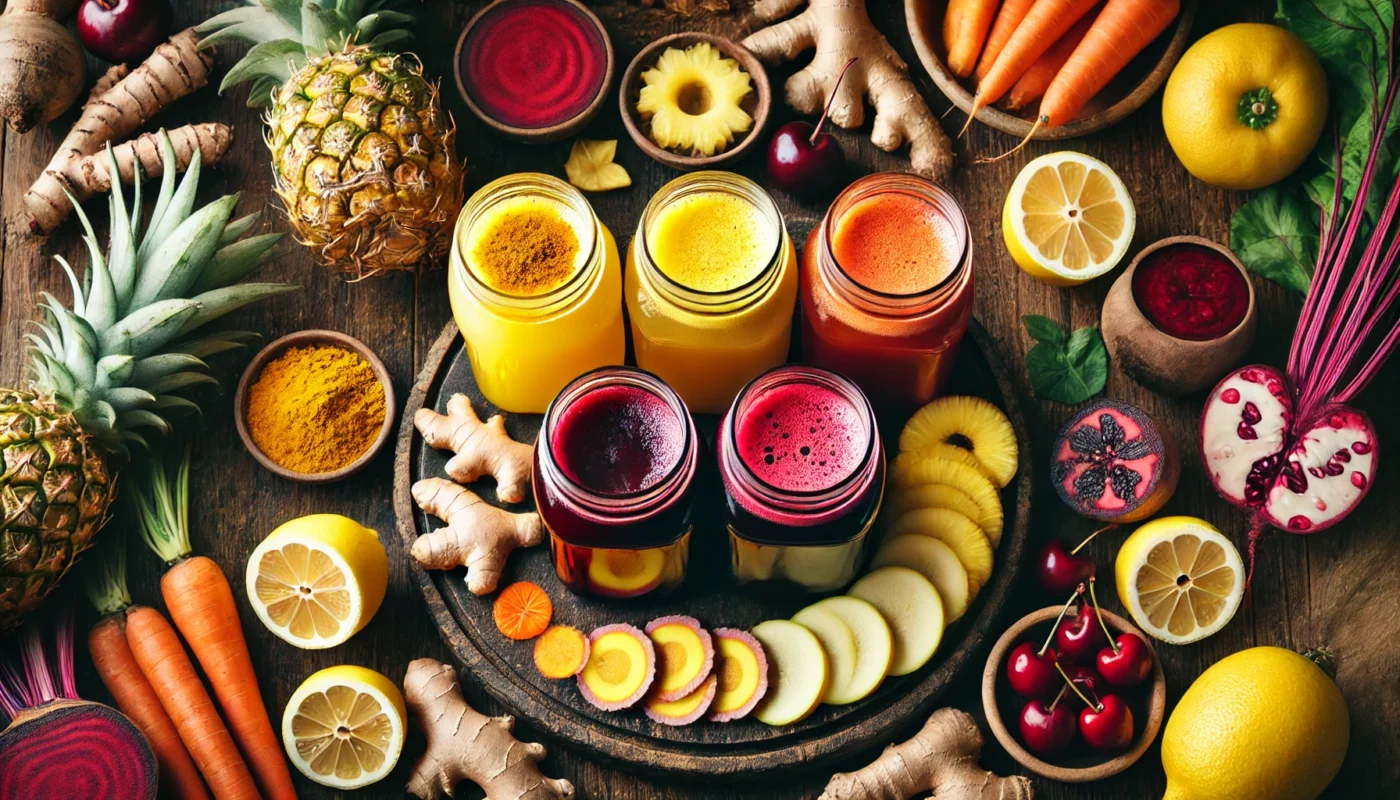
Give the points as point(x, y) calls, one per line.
point(285, 34)
point(159, 500)
point(109, 357)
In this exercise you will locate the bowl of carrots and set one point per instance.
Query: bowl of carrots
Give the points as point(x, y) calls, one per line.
point(1049, 69)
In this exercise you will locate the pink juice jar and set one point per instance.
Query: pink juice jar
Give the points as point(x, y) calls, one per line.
point(614, 472)
point(804, 473)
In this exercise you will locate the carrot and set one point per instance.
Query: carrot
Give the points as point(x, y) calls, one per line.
point(965, 27)
point(1122, 30)
point(561, 652)
point(162, 659)
point(1031, 87)
point(522, 611)
point(1043, 24)
point(1010, 16)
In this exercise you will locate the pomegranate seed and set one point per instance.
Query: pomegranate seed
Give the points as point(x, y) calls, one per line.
point(1320, 504)
point(1358, 480)
point(1231, 395)
point(1252, 375)
point(1361, 448)
point(1342, 455)
point(1337, 421)
point(1299, 523)
point(1275, 388)
point(1316, 472)
point(1245, 431)
point(1251, 414)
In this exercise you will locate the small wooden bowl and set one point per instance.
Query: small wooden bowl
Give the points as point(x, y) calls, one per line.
point(1124, 94)
point(757, 104)
point(551, 133)
point(1148, 703)
point(311, 338)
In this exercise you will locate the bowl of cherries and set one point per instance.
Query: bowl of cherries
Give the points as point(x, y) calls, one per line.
point(1074, 693)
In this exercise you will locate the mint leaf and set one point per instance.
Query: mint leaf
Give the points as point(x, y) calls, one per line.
point(1275, 235)
point(1065, 368)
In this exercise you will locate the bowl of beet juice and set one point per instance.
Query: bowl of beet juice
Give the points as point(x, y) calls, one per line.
point(614, 474)
point(534, 70)
point(1181, 316)
point(803, 471)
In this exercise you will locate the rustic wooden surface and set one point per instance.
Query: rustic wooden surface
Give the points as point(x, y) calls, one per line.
point(1340, 588)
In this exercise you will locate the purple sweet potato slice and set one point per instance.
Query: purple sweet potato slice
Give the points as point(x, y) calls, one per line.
point(685, 655)
point(620, 669)
point(742, 669)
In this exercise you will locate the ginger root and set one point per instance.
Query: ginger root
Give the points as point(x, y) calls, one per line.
point(941, 759)
point(478, 535)
point(482, 448)
point(464, 744)
point(841, 30)
point(120, 103)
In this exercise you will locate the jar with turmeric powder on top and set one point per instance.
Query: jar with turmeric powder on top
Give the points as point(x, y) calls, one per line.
point(536, 290)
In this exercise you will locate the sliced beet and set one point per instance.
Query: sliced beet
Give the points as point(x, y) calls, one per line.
point(1113, 463)
point(741, 666)
point(687, 709)
point(74, 748)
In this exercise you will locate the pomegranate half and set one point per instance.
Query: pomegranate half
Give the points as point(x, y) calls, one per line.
point(1297, 475)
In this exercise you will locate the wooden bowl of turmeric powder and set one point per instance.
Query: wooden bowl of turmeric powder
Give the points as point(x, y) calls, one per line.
point(315, 406)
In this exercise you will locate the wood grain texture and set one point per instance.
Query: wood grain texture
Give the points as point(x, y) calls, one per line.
point(1340, 587)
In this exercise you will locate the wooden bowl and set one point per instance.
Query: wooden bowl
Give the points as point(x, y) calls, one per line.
point(311, 338)
point(1148, 703)
point(1125, 94)
point(757, 104)
point(551, 133)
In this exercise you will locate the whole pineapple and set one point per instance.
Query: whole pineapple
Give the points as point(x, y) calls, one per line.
point(109, 366)
point(363, 157)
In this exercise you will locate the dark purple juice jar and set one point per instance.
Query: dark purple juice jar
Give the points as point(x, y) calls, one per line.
point(804, 473)
point(614, 472)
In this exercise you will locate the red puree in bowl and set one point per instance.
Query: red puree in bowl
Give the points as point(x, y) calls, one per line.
point(1191, 292)
point(802, 437)
point(618, 439)
point(533, 63)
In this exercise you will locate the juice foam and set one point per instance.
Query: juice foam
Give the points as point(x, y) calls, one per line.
point(711, 241)
point(617, 440)
point(802, 437)
point(896, 243)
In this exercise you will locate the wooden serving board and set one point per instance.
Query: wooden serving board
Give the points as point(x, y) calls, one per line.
point(742, 749)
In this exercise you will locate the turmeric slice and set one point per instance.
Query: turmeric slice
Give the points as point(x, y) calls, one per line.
point(522, 611)
point(561, 652)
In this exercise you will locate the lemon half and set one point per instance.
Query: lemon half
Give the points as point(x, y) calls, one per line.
point(344, 727)
point(1180, 579)
point(1067, 219)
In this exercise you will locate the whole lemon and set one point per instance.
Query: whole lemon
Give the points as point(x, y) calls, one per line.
point(1262, 724)
point(1245, 106)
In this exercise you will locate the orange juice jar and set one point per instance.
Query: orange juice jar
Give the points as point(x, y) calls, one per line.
point(535, 283)
point(711, 286)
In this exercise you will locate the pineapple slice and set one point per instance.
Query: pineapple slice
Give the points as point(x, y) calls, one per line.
point(961, 535)
point(965, 479)
point(591, 167)
point(692, 98)
point(934, 560)
point(969, 423)
point(929, 495)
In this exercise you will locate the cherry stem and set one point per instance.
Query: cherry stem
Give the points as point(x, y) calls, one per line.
point(1094, 598)
point(1051, 708)
point(1094, 704)
point(817, 131)
point(1080, 546)
point(1077, 591)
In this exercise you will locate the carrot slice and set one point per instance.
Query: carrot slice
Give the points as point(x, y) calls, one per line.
point(523, 611)
point(561, 652)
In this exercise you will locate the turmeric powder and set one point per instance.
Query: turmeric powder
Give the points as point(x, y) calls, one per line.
point(527, 252)
point(315, 409)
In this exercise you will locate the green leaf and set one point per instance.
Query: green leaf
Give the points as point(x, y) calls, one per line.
point(1275, 235)
point(217, 302)
point(1065, 368)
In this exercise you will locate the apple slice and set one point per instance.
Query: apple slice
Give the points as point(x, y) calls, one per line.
point(839, 642)
point(912, 607)
point(874, 644)
point(934, 560)
point(958, 532)
point(799, 672)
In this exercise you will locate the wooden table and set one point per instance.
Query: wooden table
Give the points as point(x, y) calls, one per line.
point(1340, 588)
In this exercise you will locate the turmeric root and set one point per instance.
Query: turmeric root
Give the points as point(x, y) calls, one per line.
point(941, 759)
point(464, 744)
point(482, 448)
point(41, 64)
point(120, 104)
point(478, 535)
point(841, 30)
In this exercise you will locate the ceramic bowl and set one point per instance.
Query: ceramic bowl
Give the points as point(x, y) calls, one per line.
point(758, 103)
point(551, 133)
point(1080, 765)
point(1125, 94)
point(312, 338)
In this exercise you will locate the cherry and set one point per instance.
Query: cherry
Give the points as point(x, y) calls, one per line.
point(1109, 725)
point(1126, 662)
point(1081, 639)
point(1059, 571)
point(804, 161)
point(123, 31)
point(1047, 731)
point(1031, 672)
point(1082, 678)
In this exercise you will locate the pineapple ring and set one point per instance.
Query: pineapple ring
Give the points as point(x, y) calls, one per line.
point(963, 478)
point(969, 423)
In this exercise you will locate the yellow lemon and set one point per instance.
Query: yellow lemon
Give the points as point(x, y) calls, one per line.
point(1245, 105)
point(1067, 219)
point(317, 580)
point(344, 727)
point(1179, 578)
point(1262, 724)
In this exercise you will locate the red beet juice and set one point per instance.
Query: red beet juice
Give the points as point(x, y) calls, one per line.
point(618, 440)
point(1191, 292)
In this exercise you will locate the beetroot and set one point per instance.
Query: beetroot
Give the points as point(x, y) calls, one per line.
point(1113, 463)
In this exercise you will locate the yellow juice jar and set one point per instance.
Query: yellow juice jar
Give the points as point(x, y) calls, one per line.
point(711, 287)
point(534, 282)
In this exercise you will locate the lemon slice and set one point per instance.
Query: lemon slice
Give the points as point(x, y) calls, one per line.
point(1180, 579)
point(1067, 219)
point(317, 580)
point(344, 727)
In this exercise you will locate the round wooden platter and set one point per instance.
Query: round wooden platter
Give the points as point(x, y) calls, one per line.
point(705, 750)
